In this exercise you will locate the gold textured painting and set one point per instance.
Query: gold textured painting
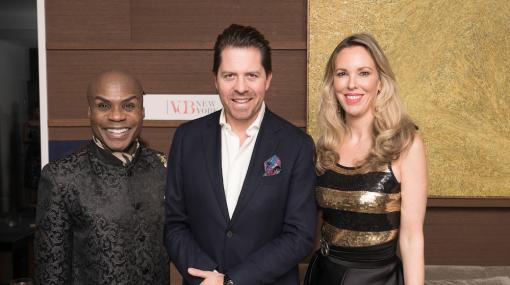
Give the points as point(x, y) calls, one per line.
point(452, 62)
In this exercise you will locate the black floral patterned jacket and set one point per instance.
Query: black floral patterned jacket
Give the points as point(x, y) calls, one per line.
point(100, 222)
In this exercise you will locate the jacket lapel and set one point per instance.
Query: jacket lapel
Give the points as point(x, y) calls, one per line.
point(265, 147)
point(211, 139)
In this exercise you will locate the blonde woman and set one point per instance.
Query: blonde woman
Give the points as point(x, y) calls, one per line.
point(372, 184)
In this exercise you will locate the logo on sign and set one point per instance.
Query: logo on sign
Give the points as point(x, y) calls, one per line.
point(179, 106)
point(187, 107)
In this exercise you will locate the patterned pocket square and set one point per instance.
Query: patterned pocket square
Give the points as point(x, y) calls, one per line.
point(272, 166)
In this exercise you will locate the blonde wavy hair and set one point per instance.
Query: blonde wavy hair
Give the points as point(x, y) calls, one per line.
point(393, 129)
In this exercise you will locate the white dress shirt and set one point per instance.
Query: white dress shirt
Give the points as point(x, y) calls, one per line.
point(235, 158)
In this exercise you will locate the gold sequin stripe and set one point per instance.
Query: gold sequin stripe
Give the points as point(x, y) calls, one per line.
point(355, 171)
point(358, 201)
point(348, 238)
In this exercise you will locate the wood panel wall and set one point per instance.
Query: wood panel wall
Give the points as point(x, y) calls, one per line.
point(468, 231)
point(168, 45)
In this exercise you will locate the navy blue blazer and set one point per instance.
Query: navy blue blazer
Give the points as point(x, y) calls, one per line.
point(273, 225)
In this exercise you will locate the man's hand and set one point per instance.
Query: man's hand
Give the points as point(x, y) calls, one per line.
point(210, 277)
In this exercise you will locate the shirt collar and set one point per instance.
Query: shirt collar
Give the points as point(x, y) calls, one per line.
point(253, 128)
point(124, 157)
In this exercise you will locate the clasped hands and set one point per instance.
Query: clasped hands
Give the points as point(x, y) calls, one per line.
point(210, 277)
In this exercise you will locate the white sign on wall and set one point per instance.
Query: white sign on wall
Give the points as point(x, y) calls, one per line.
point(179, 106)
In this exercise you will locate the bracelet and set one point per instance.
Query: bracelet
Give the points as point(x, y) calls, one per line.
point(227, 280)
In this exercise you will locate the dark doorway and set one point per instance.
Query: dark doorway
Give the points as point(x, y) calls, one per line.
point(19, 136)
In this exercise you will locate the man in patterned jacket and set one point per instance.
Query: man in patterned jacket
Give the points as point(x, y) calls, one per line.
point(100, 210)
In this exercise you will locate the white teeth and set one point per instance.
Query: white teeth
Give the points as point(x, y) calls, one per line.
point(241, 100)
point(118, 131)
point(355, 97)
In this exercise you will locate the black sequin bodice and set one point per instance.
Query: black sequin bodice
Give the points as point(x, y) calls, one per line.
point(359, 208)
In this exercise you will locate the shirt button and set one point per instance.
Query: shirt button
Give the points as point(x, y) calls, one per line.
point(229, 233)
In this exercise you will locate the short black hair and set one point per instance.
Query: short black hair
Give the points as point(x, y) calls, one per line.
point(243, 37)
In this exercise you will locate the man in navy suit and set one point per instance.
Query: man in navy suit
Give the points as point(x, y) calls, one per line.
point(240, 205)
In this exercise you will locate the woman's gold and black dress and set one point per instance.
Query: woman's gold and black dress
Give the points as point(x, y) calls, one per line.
point(361, 214)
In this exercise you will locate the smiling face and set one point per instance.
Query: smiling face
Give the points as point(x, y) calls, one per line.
point(116, 110)
point(356, 81)
point(242, 83)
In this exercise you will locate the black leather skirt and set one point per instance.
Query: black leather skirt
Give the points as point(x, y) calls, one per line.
point(374, 265)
